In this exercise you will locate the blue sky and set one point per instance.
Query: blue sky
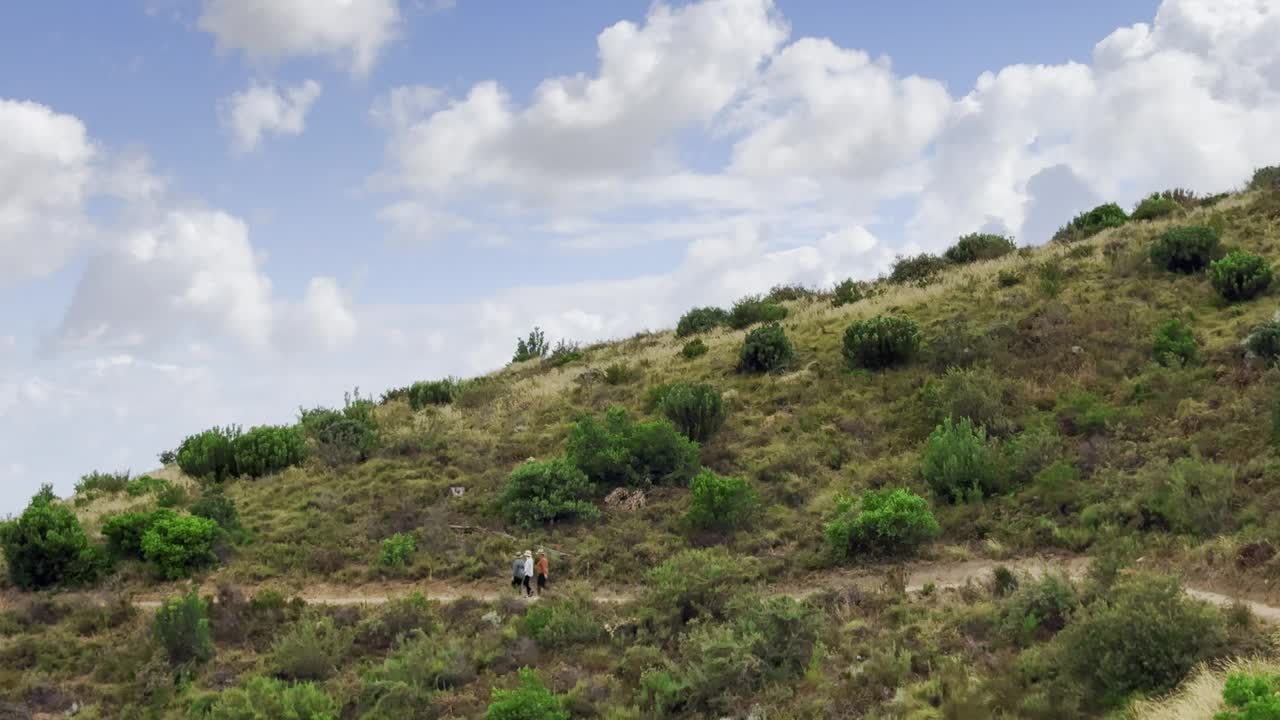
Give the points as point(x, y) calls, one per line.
point(250, 205)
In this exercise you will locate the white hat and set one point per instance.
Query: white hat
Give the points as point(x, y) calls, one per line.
point(528, 553)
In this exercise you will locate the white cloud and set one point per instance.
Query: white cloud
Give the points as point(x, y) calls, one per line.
point(354, 31)
point(262, 109)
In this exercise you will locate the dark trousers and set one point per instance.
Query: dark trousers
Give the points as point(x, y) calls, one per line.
point(527, 590)
point(516, 582)
point(542, 582)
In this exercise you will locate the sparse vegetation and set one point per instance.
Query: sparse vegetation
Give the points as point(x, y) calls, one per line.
point(531, 348)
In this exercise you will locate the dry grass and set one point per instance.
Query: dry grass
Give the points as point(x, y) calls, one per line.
point(1201, 697)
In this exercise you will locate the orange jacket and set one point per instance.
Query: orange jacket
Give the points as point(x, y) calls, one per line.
point(541, 567)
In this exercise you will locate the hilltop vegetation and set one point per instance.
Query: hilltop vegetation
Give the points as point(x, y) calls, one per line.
point(1110, 393)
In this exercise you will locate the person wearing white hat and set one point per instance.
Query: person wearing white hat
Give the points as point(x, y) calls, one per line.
point(528, 572)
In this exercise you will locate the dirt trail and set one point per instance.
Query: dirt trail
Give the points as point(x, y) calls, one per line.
point(941, 575)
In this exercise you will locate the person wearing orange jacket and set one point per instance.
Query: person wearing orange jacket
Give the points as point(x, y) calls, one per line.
point(541, 568)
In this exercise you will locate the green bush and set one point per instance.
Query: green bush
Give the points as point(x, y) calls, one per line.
point(216, 506)
point(180, 544)
point(881, 342)
point(959, 464)
point(545, 492)
point(719, 502)
point(784, 633)
point(694, 584)
point(975, 247)
point(976, 393)
point(1174, 343)
point(124, 532)
point(563, 622)
point(700, 320)
point(620, 374)
point(1143, 636)
point(919, 270)
point(210, 455)
point(619, 451)
point(1267, 178)
point(693, 349)
point(1083, 413)
point(1191, 496)
point(696, 409)
point(1251, 697)
point(103, 482)
point(535, 346)
point(1008, 278)
point(564, 353)
point(754, 309)
point(531, 700)
point(1155, 206)
point(268, 449)
point(408, 679)
point(789, 293)
point(765, 349)
point(1239, 275)
point(146, 485)
point(884, 523)
point(311, 649)
point(1090, 223)
point(850, 291)
point(718, 669)
point(1040, 607)
point(397, 550)
point(264, 697)
point(46, 547)
point(395, 620)
point(341, 437)
point(1264, 342)
point(182, 629)
point(1185, 249)
point(1029, 452)
point(432, 392)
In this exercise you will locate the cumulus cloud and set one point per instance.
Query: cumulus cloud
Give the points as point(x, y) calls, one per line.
point(353, 31)
point(262, 109)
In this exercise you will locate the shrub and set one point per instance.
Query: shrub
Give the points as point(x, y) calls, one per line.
point(145, 485)
point(103, 482)
point(404, 685)
point(310, 650)
point(432, 392)
point(530, 700)
point(1008, 278)
point(535, 346)
point(959, 464)
point(1264, 342)
point(396, 619)
point(124, 532)
point(268, 449)
point(849, 291)
point(1090, 223)
point(264, 697)
point(397, 550)
point(782, 633)
point(1185, 249)
point(1143, 636)
point(619, 451)
point(210, 455)
point(564, 622)
point(620, 374)
point(564, 353)
point(216, 506)
point(765, 349)
point(718, 669)
point(700, 320)
point(696, 409)
point(754, 309)
point(694, 584)
point(1155, 206)
point(1051, 275)
point(978, 246)
point(182, 629)
point(1190, 496)
point(976, 393)
point(180, 544)
point(1029, 452)
point(883, 523)
point(45, 546)
point(1251, 697)
point(918, 270)
point(341, 437)
point(788, 293)
point(1240, 275)
point(1084, 413)
point(693, 349)
point(1174, 343)
point(719, 502)
point(544, 492)
point(168, 457)
point(881, 342)
point(1267, 178)
point(1041, 606)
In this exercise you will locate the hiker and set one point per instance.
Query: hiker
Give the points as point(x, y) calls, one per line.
point(518, 578)
point(541, 567)
point(528, 572)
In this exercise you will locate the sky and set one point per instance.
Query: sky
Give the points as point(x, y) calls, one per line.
point(219, 211)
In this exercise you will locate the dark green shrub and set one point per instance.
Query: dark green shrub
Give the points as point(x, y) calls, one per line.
point(531, 700)
point(920, 270)
point(1040, 607)
point(694, 584)
point(216, 506)
point(619, 451)
point(1083, 413)
point(783, 634)
point(396, 619)
point(45, 546)
point(1143, 636)
point(959, 464)
point(1264, 342)
point(563, 622)
point(1029, 452)
point(210, 455)
point(1251, 697)
point(182, 629)
point(1174, 343)
point(310, 650)
point(620, 374)
point(171, 496)
point(103, 482)
point(168, 457)
point(719, 502)
point(700, 320)
point(341, 437)
point(1155, 206)
point(124, 532)
point(696, 409)
point(1239, 275)
point(397, 550)
point(180, 544)
point(693, 349)
point(535, 346)
point(886, 523)
point(545, 492)
point(881, 342)
point(754, 309)
point(765, 349)
point(269, 449)
point(1051, 276)
point(407, 681)
point(718, 669)
point(977, 393)
point(1008, 278)
point(264, 697)
point(850, 291)
point(1185, 249)
point(1090, 223)
point(432, 392)
point(789, 293)
point(145, 485)
point(564, 353)
point(1267, 178)
point(1190, 496)
point(975, 247)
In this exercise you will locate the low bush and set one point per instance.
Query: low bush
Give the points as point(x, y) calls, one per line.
point(46, 547)
point(432, 392)
point(533, 347)
point(718, 668)
point(721, 503)
point(976, 247)
point(1186, 249)
point(210, 455)
point(530, 700)
point(700, 320)
point(310, 650)
point(1009, 278)
point(1264, 342)
point(1190, 496)
point(1090, 223)
point(1154, 207)
point(182, 629)
point(620, 374)
point(883, 523)
point(1084, 413)
point(920, 270)
point(1174, 344)
point(880, 342)
point(563, 622)
point(268, 449)
point(1040, 607)
point(397, 550)
point(789, 293)
point(959, 464)
point(180, 544)
point(765, 349)
point(1239, 275)
point(977, 393)
point(1029, 452)
point(341, 437)
point(693, 349)
point(409, 678)
point(1250, 697)
point(546, 492)
point(754, 309)
point(850, 291)
point(619, 451)
point(783, 634)
point(696, 409)
point(218, 507)
point(693, 584)
point(124, 532)
point(1266, 178)
point(1051, 276)
point(396, 619)
point(145, 485)
point(564, 353)
point(264, 697)
point(110, 483)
